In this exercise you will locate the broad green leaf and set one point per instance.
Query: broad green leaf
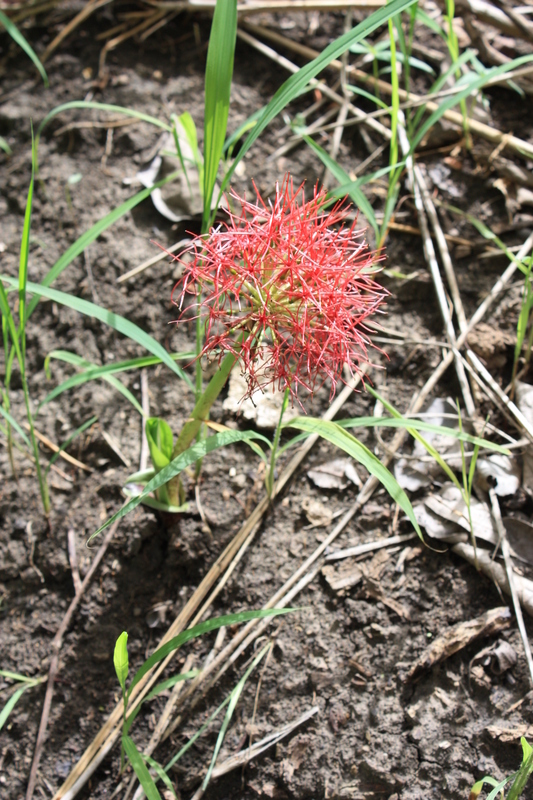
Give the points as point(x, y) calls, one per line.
point(341, 438)
point(218, 75)
point(140, 769)
point(161, 774)
point(342, 177)
point(190, 456)
point(120, 659)
point(115, 321)
point(199, 630)
point(16, 35)
point(160, 441)
point(94, 232)
point(296, 83)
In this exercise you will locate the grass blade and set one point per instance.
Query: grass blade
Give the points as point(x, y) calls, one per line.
point(129, 112)
point(140, 769)
point(14, 424)
point(93, 233)
point(177, 465)
point(234, 699)
point(16, 35)
point(218, 75)
point(120, 324)
point(342, 177)
point(11, 703)
point(341, 438)
point(70, 439)
point(199, 630)
point(296, 83)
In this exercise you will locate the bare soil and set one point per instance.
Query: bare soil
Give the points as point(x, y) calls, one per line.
point(375, 735)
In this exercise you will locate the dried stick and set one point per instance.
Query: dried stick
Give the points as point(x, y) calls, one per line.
point(502, 20)
point(54, 662)
point(370, 547)
point(429, 251)
point(145, 403)
point(151, 261)
point(510, 578)
point(73, 560)
point(512, 143)
point(106, 737)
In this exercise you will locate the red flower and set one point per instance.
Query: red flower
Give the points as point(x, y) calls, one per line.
point(287, 288)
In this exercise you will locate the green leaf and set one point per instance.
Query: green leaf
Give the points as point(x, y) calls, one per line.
point(129, 112)
point(94, 232)
point(161, 687)
point(5, 147)
point(94, 371)
point(70, 439)
point(341, 438)
point(11, 703)
point(294, 85)
point(115, 321)
point(343, 178)
point(140, 769)
point(420, 425)
point(14, 424)
point(160, 442)
point(218, 75)
point(190, 456)
point(161, 774)
point(456, 98)
point(16, 35)
point(120, 660)
point(199, 630)
point(234, 699)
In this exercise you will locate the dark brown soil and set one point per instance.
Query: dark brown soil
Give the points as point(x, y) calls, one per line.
point(374, 735)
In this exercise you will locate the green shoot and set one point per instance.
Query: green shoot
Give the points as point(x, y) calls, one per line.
point(269, 481)
point(16, 35)
point(26, 683)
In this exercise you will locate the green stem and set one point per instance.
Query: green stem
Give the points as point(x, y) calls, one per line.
point(199, 414)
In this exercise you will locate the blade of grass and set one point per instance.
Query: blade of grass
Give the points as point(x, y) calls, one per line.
point(93, 233)
point(140, 769)
point(234, 699)
point(342, 177)
point(345, 441)
point(70, 439)
point(88, 104)
point(120, 324)
point(297, 82)
point(16, 35)
point(218, 75)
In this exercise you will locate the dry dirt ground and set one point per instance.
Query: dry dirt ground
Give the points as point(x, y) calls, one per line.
point(346, 652)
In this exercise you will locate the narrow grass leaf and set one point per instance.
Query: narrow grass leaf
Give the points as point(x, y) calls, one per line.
point(199, 630)
point(234, 699)
point(342, 177)
point(218, 75)
point(10, 419)
point(161, 774)
point(70, 439)
point(177, 465)
point(16, 35)
point(456, 98)
point(129, 112)
point(5, 147)
point(120, 324)
point(345, 441)
point(11, 703)
point(91, 372)
point(296, 83)
point(140, 769)
point(94, 232)
point(161, 687)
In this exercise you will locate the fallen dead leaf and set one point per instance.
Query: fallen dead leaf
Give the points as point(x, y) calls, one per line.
point(460, 636)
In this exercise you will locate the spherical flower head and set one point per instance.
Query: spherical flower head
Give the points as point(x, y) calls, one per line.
point(286, 287)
